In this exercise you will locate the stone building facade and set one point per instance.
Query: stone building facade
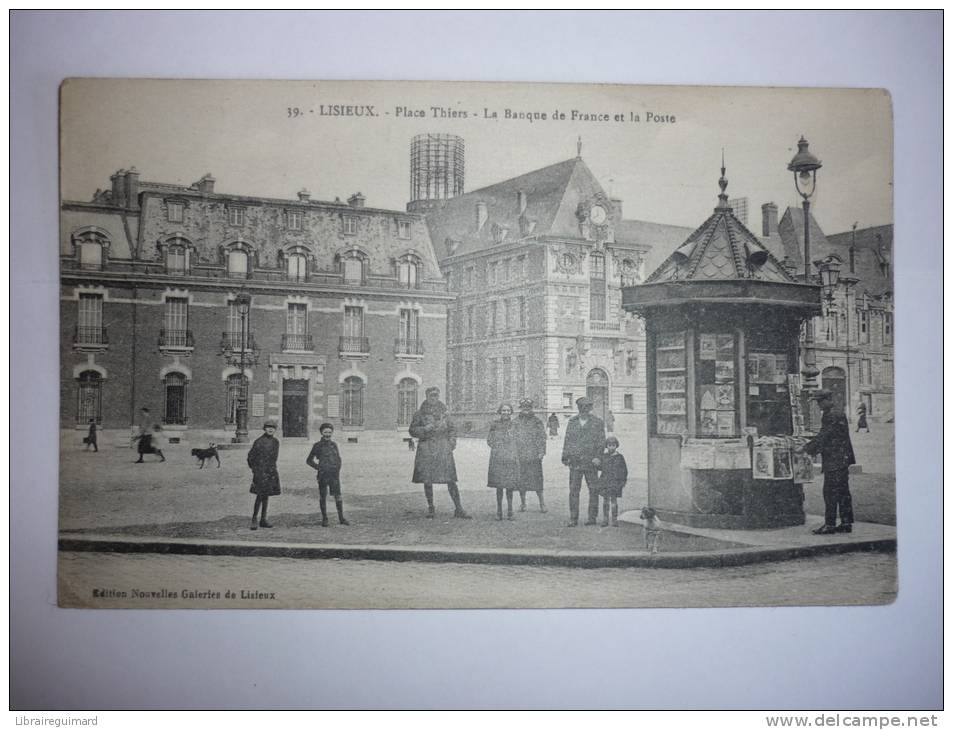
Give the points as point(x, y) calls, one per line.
point(347, 321)
point(537, 263)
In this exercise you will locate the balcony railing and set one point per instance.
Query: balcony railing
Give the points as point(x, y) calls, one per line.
point(232, 341)
point(297, 342)
point(356, 345)
point(90, 337)
point(600, 326)
point(404, 346)
point(176, 339)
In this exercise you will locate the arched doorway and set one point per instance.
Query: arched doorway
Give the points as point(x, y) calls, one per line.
point(597, 390)
point(834, 380)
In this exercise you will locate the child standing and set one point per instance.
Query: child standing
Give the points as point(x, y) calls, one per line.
point(326, 460)
point(90, 439)
point(614, 475)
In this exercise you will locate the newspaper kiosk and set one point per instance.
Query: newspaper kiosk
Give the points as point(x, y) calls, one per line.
point(722, 318)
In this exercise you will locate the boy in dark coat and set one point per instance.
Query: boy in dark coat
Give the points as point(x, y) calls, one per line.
point(326, 460)
point(263, 461)
point(90, 439)
point(615, 472)
point(582, 453)
point(837, 454)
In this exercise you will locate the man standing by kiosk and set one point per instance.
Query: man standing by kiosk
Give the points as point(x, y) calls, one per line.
point(582, 453)
point(837, 454)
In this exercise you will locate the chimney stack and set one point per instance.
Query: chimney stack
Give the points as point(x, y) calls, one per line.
point(481, 215)
point(118, 180)
point(769, 219)
point(132, 188)
point(206, 185)
point(356, 200)
point(304, 195)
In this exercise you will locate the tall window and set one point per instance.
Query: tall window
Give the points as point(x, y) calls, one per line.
point(237, 263)
point(408, 273)
point(175, 391)
point(296, 266)
point(406, 401)
point(90, 325)
point(468, 383)
point(521, 266)
point(353, 270)
point(491, 273)
point(863, 325)
point(491, 325)
point(176, 261)
point(507, 314)
point(236, 216)
point(865, 374)
point(176, 212)
point(354, 321)
point(888, 328)
point(233, 392)
point(296, 327)
point(294, 220)
point(888, 374)
point(176, 322)
point(90, 403)
point(403, 229)
point(234, 326)
point(407, 338)
point(520, 376)
point(597, 287)
point(469, 277)
point(522, 313)
point(492, 392)
point(350, 225)
point(353, 402)
point(471, 332)
point(506, 392)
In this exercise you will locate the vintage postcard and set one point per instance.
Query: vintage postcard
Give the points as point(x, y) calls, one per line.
point(438, 345)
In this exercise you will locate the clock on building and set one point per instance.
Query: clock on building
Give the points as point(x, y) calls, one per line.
point(597, 214)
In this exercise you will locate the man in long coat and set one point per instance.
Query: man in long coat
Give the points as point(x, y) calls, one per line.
point(531, 445)
point(263, 462)
point(837, 454)
point(582, 453)
point(434, 463)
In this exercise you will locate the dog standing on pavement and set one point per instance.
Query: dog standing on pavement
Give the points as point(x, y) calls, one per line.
point(652, 529)
point(208, 454)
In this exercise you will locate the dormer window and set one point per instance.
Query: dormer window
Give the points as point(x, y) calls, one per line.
point(176, 212)
point(350, 225)
point(408, 272)
point(90, 247)
point(236, 216)
point(403, 229)
point(353, 267)
point(176, 259)
point(296, 266)
point(237, 263)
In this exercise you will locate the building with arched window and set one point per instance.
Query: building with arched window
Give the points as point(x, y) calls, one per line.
point(347, 314)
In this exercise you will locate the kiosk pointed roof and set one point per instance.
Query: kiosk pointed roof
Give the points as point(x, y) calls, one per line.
point(722, 248)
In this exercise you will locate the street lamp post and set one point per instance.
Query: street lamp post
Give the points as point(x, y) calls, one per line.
point(804, 165)
point(246, 356)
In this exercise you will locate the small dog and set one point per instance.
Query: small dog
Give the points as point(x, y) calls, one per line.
point(652, 527)
point(208, 454)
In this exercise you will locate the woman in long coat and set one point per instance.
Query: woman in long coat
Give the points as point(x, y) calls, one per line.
point(265, 483)
point(433, 463)
point(531, 447)
point(503, 473)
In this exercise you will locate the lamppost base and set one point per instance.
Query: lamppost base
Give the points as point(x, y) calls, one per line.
point(240, 438)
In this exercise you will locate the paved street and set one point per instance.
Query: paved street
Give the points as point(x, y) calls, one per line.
point(862, 578)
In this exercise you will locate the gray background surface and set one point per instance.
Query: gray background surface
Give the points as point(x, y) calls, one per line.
point(837, 658)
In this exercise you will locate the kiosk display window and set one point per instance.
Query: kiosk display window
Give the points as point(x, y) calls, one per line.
point(717, 384)
point(670, 384)
point(769, 402)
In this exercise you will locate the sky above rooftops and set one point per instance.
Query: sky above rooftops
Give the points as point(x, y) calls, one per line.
point(251, 140)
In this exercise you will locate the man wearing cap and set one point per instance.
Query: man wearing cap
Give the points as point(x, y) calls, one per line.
point(434, 462)
point(582, 453)
point(263, 461)
point(837, 454)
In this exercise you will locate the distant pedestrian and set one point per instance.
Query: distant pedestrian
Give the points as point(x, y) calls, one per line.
point(90, 439)
point(326, 460)
point(531, 447)
point(436, 439)
point(503, 472)
point(263, 462)
point(862, 417)
point(610, 422)
point(837, 454)
point(143, 437)
point(553, 424)
point(614, 473)
point(582, 453)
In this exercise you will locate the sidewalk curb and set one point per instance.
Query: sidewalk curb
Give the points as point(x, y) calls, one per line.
point(488, 556)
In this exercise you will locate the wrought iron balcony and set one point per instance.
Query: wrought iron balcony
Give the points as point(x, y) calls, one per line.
point(176, 339)
point(232, 342)
point(602, 326)
point(90, 337)
point(297, 342)
point(404, 346)
point(354, 345)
